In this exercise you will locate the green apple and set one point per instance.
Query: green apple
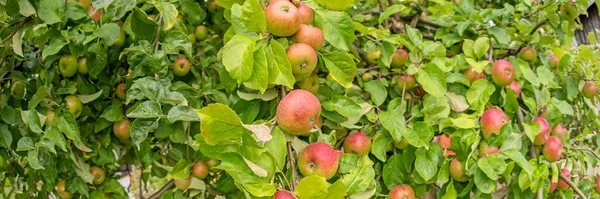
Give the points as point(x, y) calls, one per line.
point(74, 105)
point(67, 65)
point(98, 174)
point(121, 91)
point(120, 39)
point(310, 84)
point(18, 90)
point(201, 32)
point(374, 56)
point(181, 66)
point(82, 66)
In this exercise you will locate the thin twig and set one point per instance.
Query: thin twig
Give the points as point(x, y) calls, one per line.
point(587, 149)
point(538, 10)
point(382, 8)
point(362, 54)
point(169, 185)
point(141, 182)
point(535, 28)
point(292, 161)
point(572, 185)
point(157, 39)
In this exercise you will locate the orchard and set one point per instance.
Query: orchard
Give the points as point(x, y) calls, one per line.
point(299, 99)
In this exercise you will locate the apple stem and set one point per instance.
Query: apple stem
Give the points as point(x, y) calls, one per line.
point(292, 161)
point(572, 185)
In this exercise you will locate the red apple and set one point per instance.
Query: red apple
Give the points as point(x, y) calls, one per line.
point(357, 143)
point(515, 87)
point(542, 136)
point(121, 91)
point(200, 170)
point(457, 171)
point(485, 149)
point(402, 191)
point(553, 185)
point(492, 121)
point(298, 112)
point(303, 59)
point(554, 61)
point(503, 73)
point(598, 184)
point(283, 195)
point(282, 18)
point(95, 15)
point(122, 129)
point(319, 159)
point(311, 36)
point(399, 58)
point(305, 14)
point(553, 149)
point(474, 76)
point(528, 54)
point(589, 90)
point(445, 141)
point(407, 80)
point(559, 131)
point(562, 185)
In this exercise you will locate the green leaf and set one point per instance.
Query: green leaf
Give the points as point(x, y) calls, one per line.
point(181, 170)
point(483, 182)
point(481, 46)
point(479, 94)
point(253, 16)
point(182, 113)
point(5, 136)
point(237, 168)
point(175, 42)
point(359, 178)
point(168, 12)
point(81, 168)
point(113, 113)
point(25, 8)
point(140, 129)
point(260, 72)
point(34, 160)
point(99, 4)
point(414, 35)
point(392, 172)
point(17, 44)
point(531, 130)
point(420, 135)
point(89, 98)
point(24, 144)
point(337, 27)
point(141, 25)
point(467, 48)
point(280, 70)
point(563, 106)
point(194, 12)
point(427, 160)
point(393, 121)
point(432, 79)
point(458, 103)
point(492, 166)
point(119, 8)
point(500, 35)
point(68, 125)
point(31, 118)
point(528, 73)
point(337, 190)
point(96, 59)
point(56, 44)
point(312, 187)
point(516, 156)
point(464, 121)
point(9, 115)
point(228, 3)
point(381, 146)
point(219, 124)
point(343, 105)
point(348, 161)
point(341, 67)
point(377, 91)
point(147, 88)
point(277, 147)
point(238, 57)
point(56, 138)
point(147, 109)
point(435, 109)
point(450, 192)
point(389, 11)
point(109, 33)
point(51, 11)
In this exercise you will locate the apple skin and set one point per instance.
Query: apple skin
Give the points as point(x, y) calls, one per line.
point(553, 149)
point(319, 159)
point(528, 54)
point(542, 136)
point(402, 191)
point(122, 129)
point(95, 15)
point(74, 105)
point(120, 40)
point(283, 195)
point(445, 141)
point(554, 61)
point(598, 184)
point(85, 3)
point(402, 144)
point(17, 90)
point(61, 189)
point(473, 76)
point(457, 172)
point(486, 150)
point(82, 66)
point(406, 80)
point(181, 66)
point(282, 18)
point(121, 91)
point(310, 35)
point(515, 87)
point(192, 38)
point(367, 77)
point(357, 143)
point(213, 163)
point(503, 72)
point(562, 185)
point(374, 56)
point(183, 184)
point(399, 58)
point(310, 84)
point(67, 65)
point(201, 32)
point(305, 14)
point(492, 121)
point(98, 174)
point(298, 112)
point(50, 117)
point(589, 90)
point(200, 170)
point(303, 59)
point(553, 185)
point(559, 131)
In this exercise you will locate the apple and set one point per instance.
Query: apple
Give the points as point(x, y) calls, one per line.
point(554, 61)
point(445, 141)
point(310, 35)
point(528, 54)
point(85, 3)
point(74, 105)
point(553, 185)
point(213, 7)
point(50, 118)
point(544, 112)
point(120, 39)
point(402, 144)
point(492, 121)
point(152, 17)
point(283, 18)
point(485, 149)
point(515, 87)
point(357, 143)
point(473, 76)
point(98, 174)
point(121, 91)
point(122, 128)
point(213, 163)
point(200, 170)
point(310, 84)
point(406, 82)
point(17, 90)
point(82, 66)
point(562, 185)
point(340, 133)
point(303, 59)
point(457, 171)
point(503, 73)
point(305, 14)
point(183, 184)
point(61, 189)
point(559, 131)
point(283, 195)
point(181, 66)
point(589, 90)
point(95, 15)
point(192, 38)
point(542, 136)
point(553, 149)
point(67, 65)
point(598, 184)
point(399, 58)
point(201, 32)
point(319, 159)
point(374, 56)
point(298, 112)
point(402, 191)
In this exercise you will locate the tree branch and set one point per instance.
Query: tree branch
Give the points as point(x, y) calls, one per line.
point(157, 39)
point(538, 10)
point(572, 185)
point(587, 149)
point(292, 161)
point(169, 185)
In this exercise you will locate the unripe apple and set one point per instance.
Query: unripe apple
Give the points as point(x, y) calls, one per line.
point(120, 39)
point(82, 66)
point(402, 191)
point(282, 18)
point(67, 65)
point(374, 56)
point(357, 143)
point(95, 15)
point(200, 170)
point(122, 129)
point(181, 66)
point(399, 58)
point(503, 73)
point(457, 172)
point(98, 174)
point(553, 149)
point(589, 90)
point(85, 3)
point(528, 54)
point(406, 82)
point(559, 131)
point(515, 87)
point(303, 59)
point(192, 38)
point(485, 149)
point(473, 76)
point(319, 159)
point(367, 77)
point(213, 7)
point(213, 163)
point(121, 91)
point(50, 118)
point(201, 32)
point(554, 61)
point(283, 195)
point(310, 35)
point(298, 112)
point(17, 90)
point(305, 14)
point(61, 189)
point(562, 185)
point(74, 105)
point(542, 136)
point(310, 84)
point(492, 121)
point(183, 184)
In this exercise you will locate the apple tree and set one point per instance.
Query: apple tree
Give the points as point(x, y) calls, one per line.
point(297, 99)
